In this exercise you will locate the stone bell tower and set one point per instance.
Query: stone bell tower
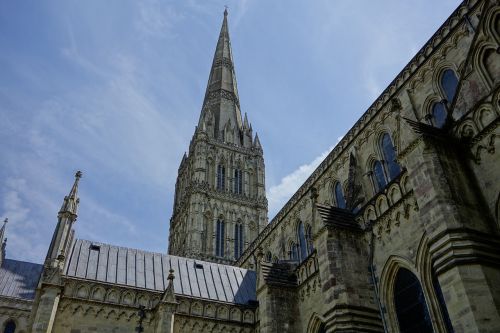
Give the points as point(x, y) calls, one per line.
point(220, 204)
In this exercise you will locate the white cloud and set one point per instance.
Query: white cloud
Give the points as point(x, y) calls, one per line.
point(289, 184)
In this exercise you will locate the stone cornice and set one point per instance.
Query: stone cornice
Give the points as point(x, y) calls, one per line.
point(455, 247)
point(241, 199)
point(255, 152)
point(16, 300)
point(75, 283)
point(202, 187)
point(423, 55)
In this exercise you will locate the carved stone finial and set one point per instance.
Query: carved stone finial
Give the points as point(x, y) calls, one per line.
point(171, 276)
point(6, 221)
point(169, 293)
point(78, 174)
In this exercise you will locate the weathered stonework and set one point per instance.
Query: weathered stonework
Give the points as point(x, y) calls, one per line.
point(327, 262)
point(204, 194)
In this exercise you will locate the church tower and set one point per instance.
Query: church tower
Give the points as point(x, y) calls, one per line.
point(220, 204)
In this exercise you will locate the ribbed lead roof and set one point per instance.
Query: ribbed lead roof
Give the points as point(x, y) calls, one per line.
point(141, 269)
point(19, 279)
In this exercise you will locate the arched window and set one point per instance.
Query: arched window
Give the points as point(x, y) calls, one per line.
point(302, 241)
point(439, 114)
point(310, 245)
point(219, 238)
point(378, 176)
point(238, 181)
point(221, 177)
point(294, 253)
point(339, 196)
point(10, 327)
point(322, 328)
point(269, 256)
point(390, 156)
point(449, 82)
point(238, 240)
point(409, 301)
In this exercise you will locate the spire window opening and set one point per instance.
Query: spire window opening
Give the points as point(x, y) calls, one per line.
point(221, 177)
point(238, 181)
point(219, 238)
point(238, 240)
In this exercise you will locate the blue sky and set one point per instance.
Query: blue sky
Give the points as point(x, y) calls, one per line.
point(114, 88)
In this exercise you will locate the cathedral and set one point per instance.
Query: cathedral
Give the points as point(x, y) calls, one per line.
point(397, 230)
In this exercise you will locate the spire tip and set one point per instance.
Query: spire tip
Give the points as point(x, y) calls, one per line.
point(225, 10)
point(78, 174)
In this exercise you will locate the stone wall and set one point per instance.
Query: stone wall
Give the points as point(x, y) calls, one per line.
point(438, 218)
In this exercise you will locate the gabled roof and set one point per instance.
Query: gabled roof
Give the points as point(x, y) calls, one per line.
point(19, 279)
point(147, 270)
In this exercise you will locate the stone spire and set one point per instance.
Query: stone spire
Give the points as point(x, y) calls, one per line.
point(221, 104)
point(63, 234)
point(71, 201)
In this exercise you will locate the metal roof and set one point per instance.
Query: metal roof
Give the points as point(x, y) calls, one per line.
point(19, 278)
point(141, 269)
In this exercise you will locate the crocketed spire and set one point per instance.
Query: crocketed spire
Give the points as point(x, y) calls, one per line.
point(221, 105)
point(71, 201)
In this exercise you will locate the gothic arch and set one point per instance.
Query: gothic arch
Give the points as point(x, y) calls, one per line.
point(467, 129)
point(379, 134)
point(484, 115)
point(370, 213)
point(479, 62)
point(491, 23)
point(98, 293)
point(437, 74)
point(10, 320)
point(426, 112)
point(381, 205)
point(82, 291)
point(315, 323)
point(387, 283)
point(375, 181)
point(112, 296)
point(394, 193)
point(405, 184)
point(424, 266)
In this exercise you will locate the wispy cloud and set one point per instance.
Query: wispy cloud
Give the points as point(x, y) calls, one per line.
point(157, 18)
point(278, 195)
